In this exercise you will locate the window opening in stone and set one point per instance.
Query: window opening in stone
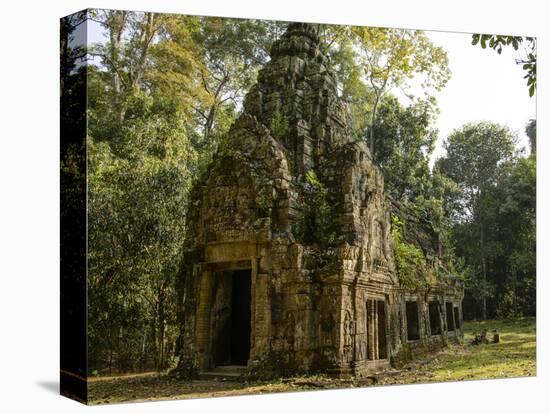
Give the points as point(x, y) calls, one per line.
point(413, 331)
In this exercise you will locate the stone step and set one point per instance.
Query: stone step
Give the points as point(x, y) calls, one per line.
point(231, 368)
point(224, 373)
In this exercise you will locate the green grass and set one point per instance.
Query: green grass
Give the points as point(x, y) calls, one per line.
point(514, 356)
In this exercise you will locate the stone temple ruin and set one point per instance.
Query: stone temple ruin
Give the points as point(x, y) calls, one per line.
point(288, 264)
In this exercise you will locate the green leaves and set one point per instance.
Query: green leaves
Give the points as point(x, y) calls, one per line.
point(389, 59)
point(474, 154)
point(314, 224)
point(483, 41)
point(404, 140)
point(496, 42)
point(532, 89)
point(410, 262)
point(279, 125)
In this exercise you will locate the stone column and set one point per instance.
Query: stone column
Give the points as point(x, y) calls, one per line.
point(202, 328)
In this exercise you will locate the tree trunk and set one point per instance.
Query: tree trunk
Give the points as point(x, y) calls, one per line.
point(143, 343)
point(64, 54)
point(211, 118)
point(154, 340)
point(483, 271)
point(162, 329)
point(116, 22)
point(371, 128)
point(209, 122)
point(146, 38)
point(111, 360)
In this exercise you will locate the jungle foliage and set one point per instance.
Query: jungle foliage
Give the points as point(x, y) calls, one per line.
point(494, 218)
point(314, 224)
point(410, 261)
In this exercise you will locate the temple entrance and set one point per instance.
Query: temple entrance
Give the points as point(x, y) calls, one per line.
point(231, 341)
point(240, 318)
point(377, 347)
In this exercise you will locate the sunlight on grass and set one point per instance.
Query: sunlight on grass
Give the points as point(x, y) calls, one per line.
point(514, 356)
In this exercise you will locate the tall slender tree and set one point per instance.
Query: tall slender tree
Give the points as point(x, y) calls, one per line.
point(475, 156)
point(390, 58)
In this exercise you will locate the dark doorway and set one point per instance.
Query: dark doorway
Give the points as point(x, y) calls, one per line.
point(382, 345)
point(413, 332)
point(240, 317)
point(435, 318)
point(371, 337)
point(449, 311)
point(231, 341)
point(377, 347)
